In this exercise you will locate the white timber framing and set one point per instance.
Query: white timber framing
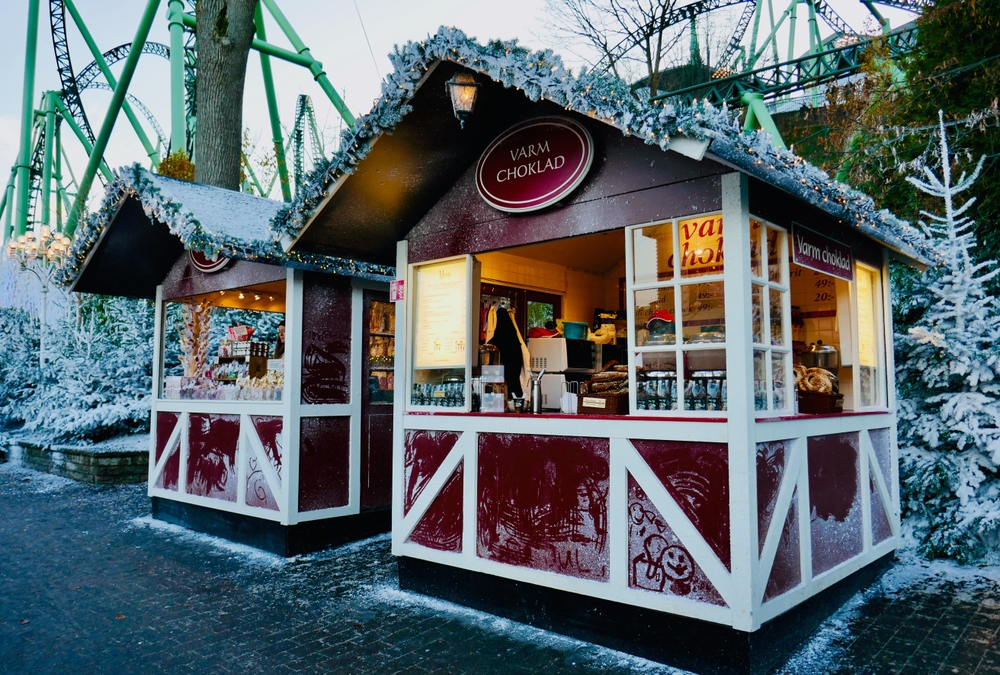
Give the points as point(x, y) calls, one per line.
point(740, 427)
point(285, 489)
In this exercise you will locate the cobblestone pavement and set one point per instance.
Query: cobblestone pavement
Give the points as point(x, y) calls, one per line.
point(89, 583)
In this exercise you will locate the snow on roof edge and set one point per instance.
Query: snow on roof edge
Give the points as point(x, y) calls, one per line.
point(135, 181)
point(541, 75)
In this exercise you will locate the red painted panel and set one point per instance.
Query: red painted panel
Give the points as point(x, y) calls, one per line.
point(835, 500)
point(424, 451)
point(786, 573)
point(881, 530)
point(543, 503)
point(882, 444)
point(326, 338)
point(269, 431)
point(658, 561)
point(697, 476)
point(772, 460)
point(441, 526)
point(376, 467)
point(212, 443)
point(165, 424)
point(324, 463)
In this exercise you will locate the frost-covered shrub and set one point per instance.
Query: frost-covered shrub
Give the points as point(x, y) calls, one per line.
point(98, 380)
point(18, 363)
point(949, 386)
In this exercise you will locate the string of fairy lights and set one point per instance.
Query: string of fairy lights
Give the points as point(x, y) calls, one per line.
point(540, 75)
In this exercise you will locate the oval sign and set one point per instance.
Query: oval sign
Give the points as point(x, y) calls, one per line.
point(205, 264)
point(534, 164)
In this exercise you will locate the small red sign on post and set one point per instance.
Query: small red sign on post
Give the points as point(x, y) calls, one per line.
point(396, 290)
point(813, 250)
point(534, 164)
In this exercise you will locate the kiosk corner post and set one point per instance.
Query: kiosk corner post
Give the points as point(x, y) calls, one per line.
point(739, 362)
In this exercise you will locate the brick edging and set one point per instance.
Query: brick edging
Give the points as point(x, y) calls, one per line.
point(81, 463)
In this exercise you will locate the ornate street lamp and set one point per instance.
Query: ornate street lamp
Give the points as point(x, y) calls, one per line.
point(41, 255)
point(462, 89)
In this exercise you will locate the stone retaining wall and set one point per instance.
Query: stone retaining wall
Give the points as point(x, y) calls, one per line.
point(82, 464)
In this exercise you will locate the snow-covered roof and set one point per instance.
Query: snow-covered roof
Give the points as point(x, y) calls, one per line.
point(540, 76)
point(204, 218)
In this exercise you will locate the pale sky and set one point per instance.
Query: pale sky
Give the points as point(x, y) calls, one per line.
point(331, 29)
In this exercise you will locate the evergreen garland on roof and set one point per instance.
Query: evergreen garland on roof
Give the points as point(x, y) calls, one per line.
point(542, 76)
point(133, 181)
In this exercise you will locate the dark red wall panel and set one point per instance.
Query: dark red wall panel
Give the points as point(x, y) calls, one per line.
point(259, 492)
point(543, 503)
point(326, 338)
point(440, 527)
point(212, 443)
point(423, 453)
point(165, 424)
point(772, 459)
point(786, 573)
point(658, 561)
point(324, 463)
point(881, 530)
point(697, 476)
point(835, 500)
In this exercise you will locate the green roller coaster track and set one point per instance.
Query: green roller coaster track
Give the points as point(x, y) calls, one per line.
point(27, 200)
point(750, 72)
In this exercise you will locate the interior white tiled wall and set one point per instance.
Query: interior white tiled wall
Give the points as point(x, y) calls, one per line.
point(582, 292)
point(512, 270)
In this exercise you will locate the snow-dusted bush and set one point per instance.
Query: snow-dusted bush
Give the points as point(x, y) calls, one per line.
point(18, 363)
point(949, 384)
point(98, 380)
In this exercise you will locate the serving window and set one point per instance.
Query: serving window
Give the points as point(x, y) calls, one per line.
point(227, 345)
point(645, 305)
point(676, 299)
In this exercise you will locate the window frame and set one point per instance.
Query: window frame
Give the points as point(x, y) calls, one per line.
point(767, 347)
point(676, 282)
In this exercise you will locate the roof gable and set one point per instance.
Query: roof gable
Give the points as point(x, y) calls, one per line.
point(541, 76)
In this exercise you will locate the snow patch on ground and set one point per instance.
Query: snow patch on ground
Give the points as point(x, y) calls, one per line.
point(246, 554)
point(582, 652)
point(37, 482)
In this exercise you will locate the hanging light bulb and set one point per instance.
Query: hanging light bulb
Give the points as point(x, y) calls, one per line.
point(241, 295)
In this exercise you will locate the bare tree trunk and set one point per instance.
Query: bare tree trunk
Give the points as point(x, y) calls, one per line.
point(224, 33)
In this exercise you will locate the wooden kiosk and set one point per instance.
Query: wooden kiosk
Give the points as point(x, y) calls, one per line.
point(290, 454)
point(711, 522)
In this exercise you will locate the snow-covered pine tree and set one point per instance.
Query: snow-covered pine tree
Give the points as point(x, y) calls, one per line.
point(948, 372)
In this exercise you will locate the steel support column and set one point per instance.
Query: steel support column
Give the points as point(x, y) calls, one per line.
point(108, 125)
point(178, 122)
point(23, 203)
point(154, 156)
point(272, 109)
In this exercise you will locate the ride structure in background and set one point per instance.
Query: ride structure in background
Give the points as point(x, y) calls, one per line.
point(760, 70)
point(44, 191)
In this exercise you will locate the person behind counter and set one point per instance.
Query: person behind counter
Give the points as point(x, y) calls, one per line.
point(279, 343)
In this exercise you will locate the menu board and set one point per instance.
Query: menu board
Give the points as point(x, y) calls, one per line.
point(441, 315)
point(867, 353)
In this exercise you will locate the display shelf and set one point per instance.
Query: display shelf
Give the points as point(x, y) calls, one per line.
point(380, 334)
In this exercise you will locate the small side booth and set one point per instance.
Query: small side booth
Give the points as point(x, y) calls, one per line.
point(273, 381)
point(712, 466)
